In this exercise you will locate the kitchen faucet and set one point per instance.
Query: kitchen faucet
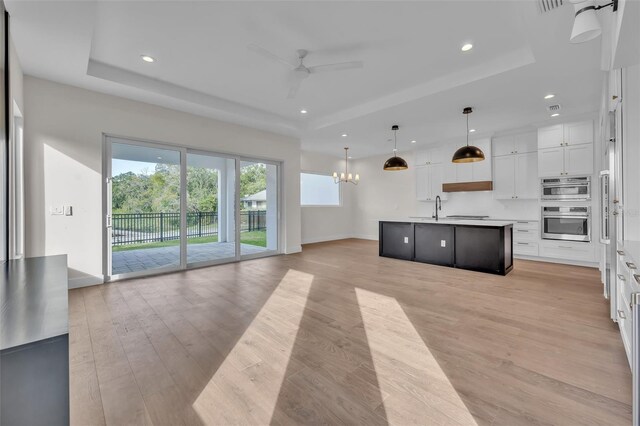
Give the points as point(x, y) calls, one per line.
point(438, 206)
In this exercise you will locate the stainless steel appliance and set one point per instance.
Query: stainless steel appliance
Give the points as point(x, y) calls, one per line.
point(566, 223)
point(566, 189)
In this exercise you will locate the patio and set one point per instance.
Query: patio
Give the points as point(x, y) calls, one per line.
point(159, 257)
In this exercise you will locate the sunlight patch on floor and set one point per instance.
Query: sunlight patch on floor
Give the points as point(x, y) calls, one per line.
point(420, 392)
point(246, 386)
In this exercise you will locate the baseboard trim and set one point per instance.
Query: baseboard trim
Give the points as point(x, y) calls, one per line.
point(373, 237)
point(86, 281)
point(293, 250)
point(559, 261)
point(325, 239)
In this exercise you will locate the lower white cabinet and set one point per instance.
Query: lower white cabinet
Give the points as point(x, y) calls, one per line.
point(515, 176)
point(429, 182)
point(526, 236)
point(568, 250)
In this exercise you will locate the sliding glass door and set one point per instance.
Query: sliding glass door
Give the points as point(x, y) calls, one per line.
point(258, 208)
point(211, 221)
point(170, 208)
point(145, 228)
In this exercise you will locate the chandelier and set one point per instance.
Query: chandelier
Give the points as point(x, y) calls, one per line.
point(346, 176)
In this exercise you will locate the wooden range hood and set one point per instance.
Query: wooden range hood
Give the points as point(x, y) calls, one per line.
point(485, 185)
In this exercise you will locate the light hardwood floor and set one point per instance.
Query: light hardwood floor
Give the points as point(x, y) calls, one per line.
point(338, 335)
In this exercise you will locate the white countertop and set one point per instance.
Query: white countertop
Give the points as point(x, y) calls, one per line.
point(444, 221)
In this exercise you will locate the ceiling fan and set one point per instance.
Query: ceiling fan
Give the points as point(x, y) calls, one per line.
point(299, 71)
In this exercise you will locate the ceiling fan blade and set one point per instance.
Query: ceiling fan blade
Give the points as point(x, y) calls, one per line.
point(269, 55)
point(296, 81)
point(336, 67)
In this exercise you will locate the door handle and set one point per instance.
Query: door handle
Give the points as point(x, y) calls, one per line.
point(109, 224)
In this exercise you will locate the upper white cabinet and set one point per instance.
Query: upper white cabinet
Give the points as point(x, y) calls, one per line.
point(429, 156)
point(429, 180)
point(565, 149)
point(515, 176)
point(515, 144)
point(565, 134)
point(551, 136)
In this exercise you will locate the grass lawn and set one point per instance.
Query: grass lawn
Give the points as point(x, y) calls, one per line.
point(254, 238)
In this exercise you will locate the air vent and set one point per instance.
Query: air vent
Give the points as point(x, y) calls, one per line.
point(545, 6)
point(554, 108)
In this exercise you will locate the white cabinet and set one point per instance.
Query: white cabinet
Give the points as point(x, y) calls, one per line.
point(578, 133)
point(429, 182)
point(515, 176)
point(565, 134)
point(570, 160)
point(526, 238)
point(429, 156)
point(515, 144)
point(569, 250)
point(550, 136)
point(527, 182)
point(578, 159)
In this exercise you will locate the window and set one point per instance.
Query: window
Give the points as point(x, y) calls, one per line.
point(318, 190)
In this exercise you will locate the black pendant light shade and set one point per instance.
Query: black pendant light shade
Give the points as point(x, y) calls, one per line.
point(395, 162)
point(468, 153)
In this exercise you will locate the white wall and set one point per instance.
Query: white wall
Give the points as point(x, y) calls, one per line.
point(327, 223)
point(63, 150)
point(392, 195)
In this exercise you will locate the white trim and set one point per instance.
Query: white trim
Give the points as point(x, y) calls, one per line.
point(85, 281)
point(559, 261)
point(326, 238)
point(294, 249)
point(372, 237)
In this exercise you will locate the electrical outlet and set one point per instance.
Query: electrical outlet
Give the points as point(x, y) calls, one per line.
point(68, 210)
point(443, 243)
point(406, 240)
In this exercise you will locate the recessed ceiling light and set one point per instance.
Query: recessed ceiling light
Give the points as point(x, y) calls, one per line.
point(549, 96)
point(555, 114)
point(344, 135)
point(350, 157)
point(303, 111)
point(159, 158)
point(466, 47)
point(413, 141)
point(147, 58)
point(472, 130)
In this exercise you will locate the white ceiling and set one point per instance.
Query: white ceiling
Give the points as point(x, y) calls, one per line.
point(414, 74)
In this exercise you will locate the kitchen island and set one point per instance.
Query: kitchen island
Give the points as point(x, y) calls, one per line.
point(477, 245)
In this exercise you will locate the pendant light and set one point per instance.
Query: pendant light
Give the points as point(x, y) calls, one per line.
point(468, 153)
point(346, 177)
point(395, 162)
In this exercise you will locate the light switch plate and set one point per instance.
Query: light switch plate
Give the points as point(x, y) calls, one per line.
point(56, 210)
point(443, 243)
point(406, 240)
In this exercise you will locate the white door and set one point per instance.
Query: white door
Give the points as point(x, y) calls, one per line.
point(422, 183)
point(578, 159)
point(551, 136)
point(578, 133)
point(551, 162)
point(504, 177)
point(526, 176)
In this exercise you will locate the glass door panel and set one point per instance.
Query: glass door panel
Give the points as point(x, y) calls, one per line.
point(144, 208)
point(258, 208)
point(211, 230)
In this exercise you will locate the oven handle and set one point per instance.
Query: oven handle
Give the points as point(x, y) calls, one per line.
point(564, 185)
point(565, 217)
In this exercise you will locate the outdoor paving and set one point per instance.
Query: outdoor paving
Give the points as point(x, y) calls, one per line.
point(160, 257)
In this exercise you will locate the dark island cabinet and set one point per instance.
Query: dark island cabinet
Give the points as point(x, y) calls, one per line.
point(434, 244)
point(474, 245)
point(398, 240)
